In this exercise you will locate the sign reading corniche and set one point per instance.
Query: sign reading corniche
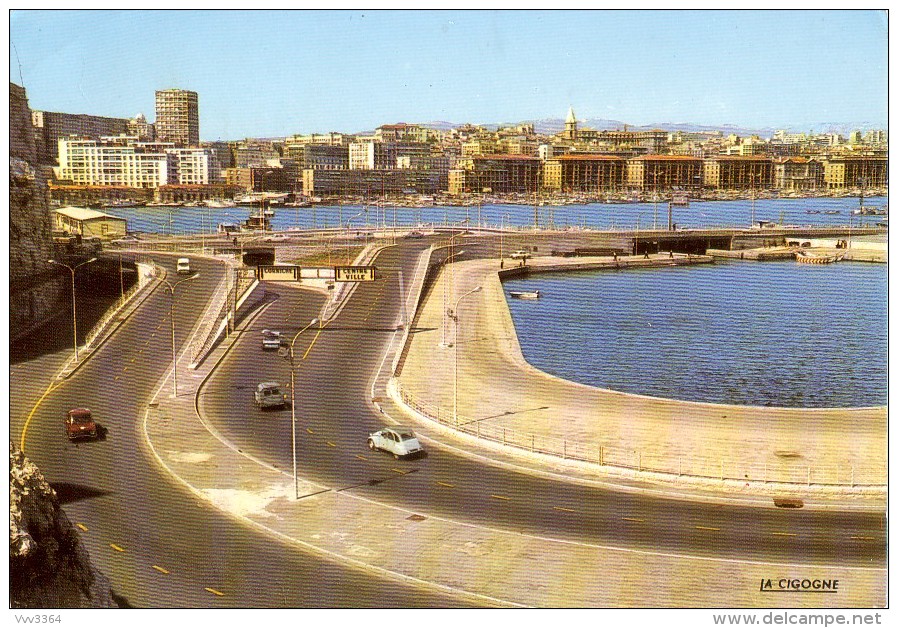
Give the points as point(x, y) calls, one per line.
point(277, 273)
point(354, 273)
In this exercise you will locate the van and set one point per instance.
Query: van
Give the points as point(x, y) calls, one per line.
point(183, 266)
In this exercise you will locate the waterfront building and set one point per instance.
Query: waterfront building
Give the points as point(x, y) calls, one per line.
point(368, 183)
point(318, 156)
point(177, 117)
point(578, 172)
point(254, 154)
point(664, 172)
point(794, 174)
point(50, 126)
point(89, 223)
point(331, 139)
point(194, 166)
point(222, 153)
point(840, 172)
point(496, 174)
point(726, 172)
point(113, 162)
point(365, 155)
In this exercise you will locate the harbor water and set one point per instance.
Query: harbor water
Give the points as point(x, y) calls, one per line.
point(747, 333)
point(810, 211)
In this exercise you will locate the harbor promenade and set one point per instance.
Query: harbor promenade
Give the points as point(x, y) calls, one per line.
point(480, 383)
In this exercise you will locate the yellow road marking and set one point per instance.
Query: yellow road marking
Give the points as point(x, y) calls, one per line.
point(50, 388)
point(309, 431)
point(784, 533)
point(632, 519)
point(707, 528)
point(330, 444)
point(153, 334)
point(160, 569)
point(135, 357)
point(446, 485)
point(399, 471)
point(501, 497)
point(213, 591)
point(82, 526)
point(117, 377)
point(312, 344)
point(124, 369)
point(863, 538)
point(564, 509)
point(116, 547)
point(360, 457)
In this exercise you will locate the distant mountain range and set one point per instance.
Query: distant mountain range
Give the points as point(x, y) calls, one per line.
point(549, 126)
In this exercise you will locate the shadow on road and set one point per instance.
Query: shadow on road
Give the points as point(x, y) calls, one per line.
point(68, 493)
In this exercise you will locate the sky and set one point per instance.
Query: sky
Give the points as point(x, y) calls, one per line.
point(276, 73)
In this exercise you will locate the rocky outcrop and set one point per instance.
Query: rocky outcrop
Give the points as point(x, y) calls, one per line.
point(36, 288)
point(48, 565)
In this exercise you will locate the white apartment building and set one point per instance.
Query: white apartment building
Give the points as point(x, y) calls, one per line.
point(194, 166)
point(123, 161)
point(111, 163)
point(372, 156)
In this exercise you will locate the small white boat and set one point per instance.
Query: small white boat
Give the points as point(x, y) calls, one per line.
point(525, 295)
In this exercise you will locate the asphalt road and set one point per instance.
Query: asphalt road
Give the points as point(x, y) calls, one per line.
point(333, 384)
point(158, 545)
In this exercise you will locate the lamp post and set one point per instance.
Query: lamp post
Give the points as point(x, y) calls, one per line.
point(171, 315)
point(289, 354)
point(447, 280)
point(455, 352)
point(74, 318)
point(348, 241)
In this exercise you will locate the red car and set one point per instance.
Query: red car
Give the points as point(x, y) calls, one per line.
point(79, 423)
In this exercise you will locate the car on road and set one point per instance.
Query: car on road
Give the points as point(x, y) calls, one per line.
point(128, 240)
point(79, 423)
point(276, 237)
point(183, 266)
point(271, 339)
point(520, 255)
point(414, 235)
point(399, 441)
point(269, 395)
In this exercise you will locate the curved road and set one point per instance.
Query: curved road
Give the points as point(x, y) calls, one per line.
point(159, 546)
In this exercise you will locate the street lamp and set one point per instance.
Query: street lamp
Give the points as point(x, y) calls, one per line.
point(74, 319)
point(455, 352)
point(348, 241)
point(450, 276)
point(284, 353)
point(171, 315)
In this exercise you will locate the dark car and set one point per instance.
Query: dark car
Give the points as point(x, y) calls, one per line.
point(79, 423)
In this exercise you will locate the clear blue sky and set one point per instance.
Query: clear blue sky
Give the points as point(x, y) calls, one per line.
point(276, 73)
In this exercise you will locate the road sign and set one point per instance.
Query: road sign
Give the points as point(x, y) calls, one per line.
point(277, 273)
point(354, 273)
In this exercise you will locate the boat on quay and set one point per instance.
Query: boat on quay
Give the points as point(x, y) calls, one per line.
point(803, 257)
point(533, 294)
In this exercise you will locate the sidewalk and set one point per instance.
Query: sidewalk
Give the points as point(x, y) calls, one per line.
point(749, 450)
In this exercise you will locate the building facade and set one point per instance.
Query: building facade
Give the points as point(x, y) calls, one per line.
point(855, 172)
point(584, 173)
point(794, 174)
point(89, 223)
point(178, 117)
point(85, 162)
point(738, 173)
point(664, 172)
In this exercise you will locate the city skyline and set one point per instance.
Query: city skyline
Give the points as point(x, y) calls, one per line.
point(270, 73)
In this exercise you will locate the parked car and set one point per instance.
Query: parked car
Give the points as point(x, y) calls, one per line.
point(128, 240)
point(271, 339)
point(520, 255)
point(399, 441)
point(183, 267)
point(276, 237)
point(269, 395)
point(79, 423)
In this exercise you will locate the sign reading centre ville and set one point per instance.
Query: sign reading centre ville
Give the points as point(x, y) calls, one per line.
point(277, 273)
point(354, 273)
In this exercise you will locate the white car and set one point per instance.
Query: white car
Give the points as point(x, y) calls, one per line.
point(399, 441)
point(183, 266)
point(276, 237)
point(520, 255)
point(271, 339)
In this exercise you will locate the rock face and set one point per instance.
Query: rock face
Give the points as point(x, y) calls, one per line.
point(36, 288)
point(48, 565)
